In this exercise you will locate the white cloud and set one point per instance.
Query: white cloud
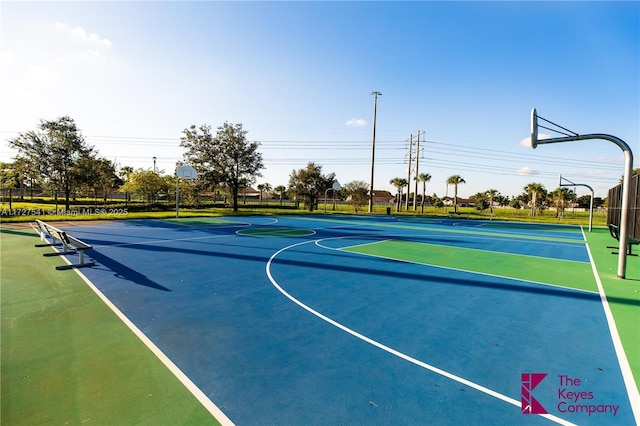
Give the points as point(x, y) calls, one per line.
point(7, 57)
point(526, 142)
point(79, 34)
point(526, 171)
point(41, 74)
point(356, 122)
point(593, 172)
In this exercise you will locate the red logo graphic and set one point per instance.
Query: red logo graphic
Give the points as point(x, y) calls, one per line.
point(529, 404)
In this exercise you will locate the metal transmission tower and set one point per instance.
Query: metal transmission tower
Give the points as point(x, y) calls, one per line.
point(415, 190)
point(413, 168)
point(406, 204)
point(373, 147)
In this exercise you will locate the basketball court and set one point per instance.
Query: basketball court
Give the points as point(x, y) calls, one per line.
point(371, 320)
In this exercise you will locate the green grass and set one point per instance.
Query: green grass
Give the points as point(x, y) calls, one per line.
point(68, 359)
point(45, 209)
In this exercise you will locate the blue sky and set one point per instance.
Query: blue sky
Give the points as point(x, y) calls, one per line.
point(298, 76)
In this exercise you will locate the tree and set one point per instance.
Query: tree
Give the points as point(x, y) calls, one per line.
point(560, 197)
point(424, 178)
point(482, 200)
point(399, 183)
point(492, 194)
point(310, 183)
point(437, 201)
point(280, 190)
point(228, 157)
point(535, 190)
point(357, 193)
point(147, 183)
point(455, 180)
point(53, 153)
point(99, 174)
point(264, 187)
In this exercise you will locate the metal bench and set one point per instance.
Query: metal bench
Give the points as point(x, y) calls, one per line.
point(614, 230)
point(70, 245)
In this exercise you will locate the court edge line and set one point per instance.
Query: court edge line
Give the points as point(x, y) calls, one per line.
point(392, 351)
point(452, 269)
point(623, 362)
point(191, 387)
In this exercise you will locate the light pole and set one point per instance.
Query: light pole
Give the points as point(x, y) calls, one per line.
point(154, 163)
point(373, 148)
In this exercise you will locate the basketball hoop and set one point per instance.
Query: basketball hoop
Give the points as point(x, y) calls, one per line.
point(570, 136)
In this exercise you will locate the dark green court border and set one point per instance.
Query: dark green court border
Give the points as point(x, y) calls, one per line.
point(529, 268)
point(275, 231)
point(623, 295)
point(66, 358)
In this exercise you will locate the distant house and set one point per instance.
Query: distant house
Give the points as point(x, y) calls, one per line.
point(250, 193)
point(383, 197)
point(462, 202)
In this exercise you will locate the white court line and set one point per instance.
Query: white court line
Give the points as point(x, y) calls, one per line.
point(393, 351)
point(192, 387)
point(627, 374)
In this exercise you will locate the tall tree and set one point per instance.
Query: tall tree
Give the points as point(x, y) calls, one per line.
point(561, 196)
point(455, 180)
point(54, 151)
point(399, 183)
point(147, 183)
point(264, 187)
point(310, 183)
point(357, 192)
point(280, 190)
point(424, 178)
point(492, 194)
point(228, 157)
point(535, 190)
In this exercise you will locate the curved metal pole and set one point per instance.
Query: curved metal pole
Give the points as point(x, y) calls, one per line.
point(626, 187)
point(590, 202)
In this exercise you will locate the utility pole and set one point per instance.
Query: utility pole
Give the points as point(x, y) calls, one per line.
point(406, 204)
point(415, 191)
point(373, 148)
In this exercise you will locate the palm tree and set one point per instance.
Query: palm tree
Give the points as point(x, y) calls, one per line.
point(492, 193)
point(424, 178)
point(455, 180)
point(280, 189)
point(399, 183)
point(263, 187)
point(534, 189)
point(560, 198)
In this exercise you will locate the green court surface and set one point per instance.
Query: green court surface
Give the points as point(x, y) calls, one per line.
point(623, 295)
point(68, 359)
point(507, 265)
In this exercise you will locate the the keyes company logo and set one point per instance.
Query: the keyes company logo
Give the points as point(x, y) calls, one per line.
point(572, 397)
point(529, 404)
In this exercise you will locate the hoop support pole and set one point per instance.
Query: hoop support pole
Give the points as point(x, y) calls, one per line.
point(626, 188)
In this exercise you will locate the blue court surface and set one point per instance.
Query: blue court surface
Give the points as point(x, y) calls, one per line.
point(287, 320)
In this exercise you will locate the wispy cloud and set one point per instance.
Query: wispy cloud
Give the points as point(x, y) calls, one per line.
point(526, 171)
point(79, 34)
point(527, 141)
point(356, 122)
point(593, 172)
